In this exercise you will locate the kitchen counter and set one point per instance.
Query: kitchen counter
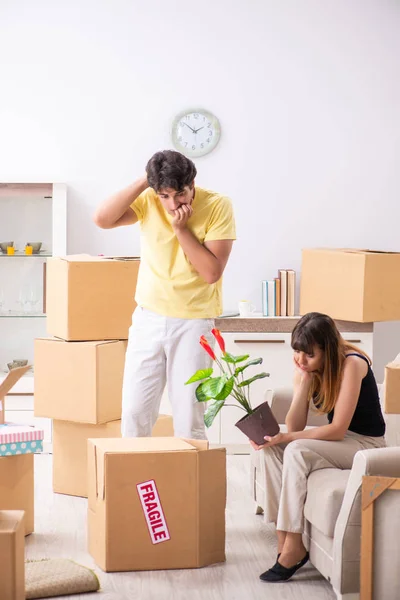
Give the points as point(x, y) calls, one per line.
point(257, 323)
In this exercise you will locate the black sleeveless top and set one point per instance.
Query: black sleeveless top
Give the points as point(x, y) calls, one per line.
point(367, 418)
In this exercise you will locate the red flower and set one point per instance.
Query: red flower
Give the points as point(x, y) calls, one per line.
point(221, 342)
point(207, 347)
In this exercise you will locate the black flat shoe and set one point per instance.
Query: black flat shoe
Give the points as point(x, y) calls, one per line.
point(280, 573)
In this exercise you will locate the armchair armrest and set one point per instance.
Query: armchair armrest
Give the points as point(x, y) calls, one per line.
point(346, 545)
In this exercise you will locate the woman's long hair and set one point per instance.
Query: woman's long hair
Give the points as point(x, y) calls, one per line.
point(316, 329)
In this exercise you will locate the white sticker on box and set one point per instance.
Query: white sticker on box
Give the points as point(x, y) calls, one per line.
point(153, 512)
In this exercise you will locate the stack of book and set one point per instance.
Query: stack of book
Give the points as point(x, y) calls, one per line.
point(278, 295)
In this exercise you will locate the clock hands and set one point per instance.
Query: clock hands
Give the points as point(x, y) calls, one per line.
point(189, 127)
point(194, 130)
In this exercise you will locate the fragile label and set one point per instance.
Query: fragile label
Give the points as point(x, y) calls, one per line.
point(153, 511)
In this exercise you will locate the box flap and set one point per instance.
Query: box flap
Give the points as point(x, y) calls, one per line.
point(393, 365)
point(122, 258)
point(198, 444)
point(11, 379)
point(100, 470)
point(10, 520)
point(71, 258)
point(79, 258)
point(351, 250)
point(104, 446)
point(128, 445)
point(88, 343)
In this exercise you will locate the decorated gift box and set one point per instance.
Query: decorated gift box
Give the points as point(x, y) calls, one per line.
point(20, 439)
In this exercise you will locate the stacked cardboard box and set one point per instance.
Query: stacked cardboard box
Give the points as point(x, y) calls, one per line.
point(18, 443)
point(79, 371)
point(158, 489)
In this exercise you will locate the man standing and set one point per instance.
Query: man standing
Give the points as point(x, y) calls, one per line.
point(186, 238)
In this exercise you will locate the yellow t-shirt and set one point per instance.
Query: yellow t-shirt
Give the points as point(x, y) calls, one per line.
point(167, 283)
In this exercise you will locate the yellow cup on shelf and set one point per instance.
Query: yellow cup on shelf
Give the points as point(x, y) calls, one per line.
point(10, 250)
point(28, 249)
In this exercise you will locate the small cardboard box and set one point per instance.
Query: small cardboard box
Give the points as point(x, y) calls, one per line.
point(392, 387)
point(90, 297)
point(350, 284)
point(156, 503)
point(6, 386)
point(12, 555)
point(16, 486)
point(70, 443)
point(79, 381)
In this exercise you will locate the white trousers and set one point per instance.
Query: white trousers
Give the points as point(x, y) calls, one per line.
point(286, 467)
point(163, 351)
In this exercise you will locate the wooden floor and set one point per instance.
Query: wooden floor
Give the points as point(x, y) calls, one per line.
point(60, 524)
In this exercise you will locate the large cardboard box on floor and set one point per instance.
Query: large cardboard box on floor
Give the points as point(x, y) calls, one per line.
point(79, 381)
point(90, 297)
point(17, 487)
point(12, 555)
point(350, 284)
point(70, 444)
point(156, 503)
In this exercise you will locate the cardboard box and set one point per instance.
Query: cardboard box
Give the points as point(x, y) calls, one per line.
point(6, 386)
point(79, 381)
point(350, 284)
point(164, 426)
point(12, 555)
point(70, 443)
point(16, 487)
point(90, 297)
point(156, 503)
point(391, 399)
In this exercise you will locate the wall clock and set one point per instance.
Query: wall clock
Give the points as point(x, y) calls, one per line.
point(195, 132)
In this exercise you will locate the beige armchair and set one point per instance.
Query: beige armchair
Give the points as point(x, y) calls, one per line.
point(332, 511)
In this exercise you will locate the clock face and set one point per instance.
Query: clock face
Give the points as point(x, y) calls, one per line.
point(195, 133)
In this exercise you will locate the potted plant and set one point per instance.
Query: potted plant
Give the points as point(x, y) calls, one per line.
point(257, 422)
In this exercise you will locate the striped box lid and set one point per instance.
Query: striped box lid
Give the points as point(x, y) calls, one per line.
point(11, 433)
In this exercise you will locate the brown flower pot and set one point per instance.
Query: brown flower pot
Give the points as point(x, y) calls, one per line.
point(260, 423)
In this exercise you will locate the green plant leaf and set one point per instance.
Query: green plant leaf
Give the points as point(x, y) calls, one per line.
point(255, 361)
point(249, 381)
point(229, 358)
point(226, 390)
point(199, 375)
point(212, 412)
point(209, 389)
point(200, 395)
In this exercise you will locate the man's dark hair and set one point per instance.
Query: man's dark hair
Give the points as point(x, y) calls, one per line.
point(170, 169)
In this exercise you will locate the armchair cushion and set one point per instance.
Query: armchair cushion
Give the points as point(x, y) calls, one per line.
point(325, 492)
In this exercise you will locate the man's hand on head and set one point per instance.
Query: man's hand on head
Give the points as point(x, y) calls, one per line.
point(181, 217)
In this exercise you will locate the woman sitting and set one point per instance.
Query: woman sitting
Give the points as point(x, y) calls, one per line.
point(337, 379)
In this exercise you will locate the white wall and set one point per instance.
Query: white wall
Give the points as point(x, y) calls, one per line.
point(308, 95)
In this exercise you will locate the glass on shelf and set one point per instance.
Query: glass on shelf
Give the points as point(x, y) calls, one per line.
point(27, 301)
point(33, 221)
